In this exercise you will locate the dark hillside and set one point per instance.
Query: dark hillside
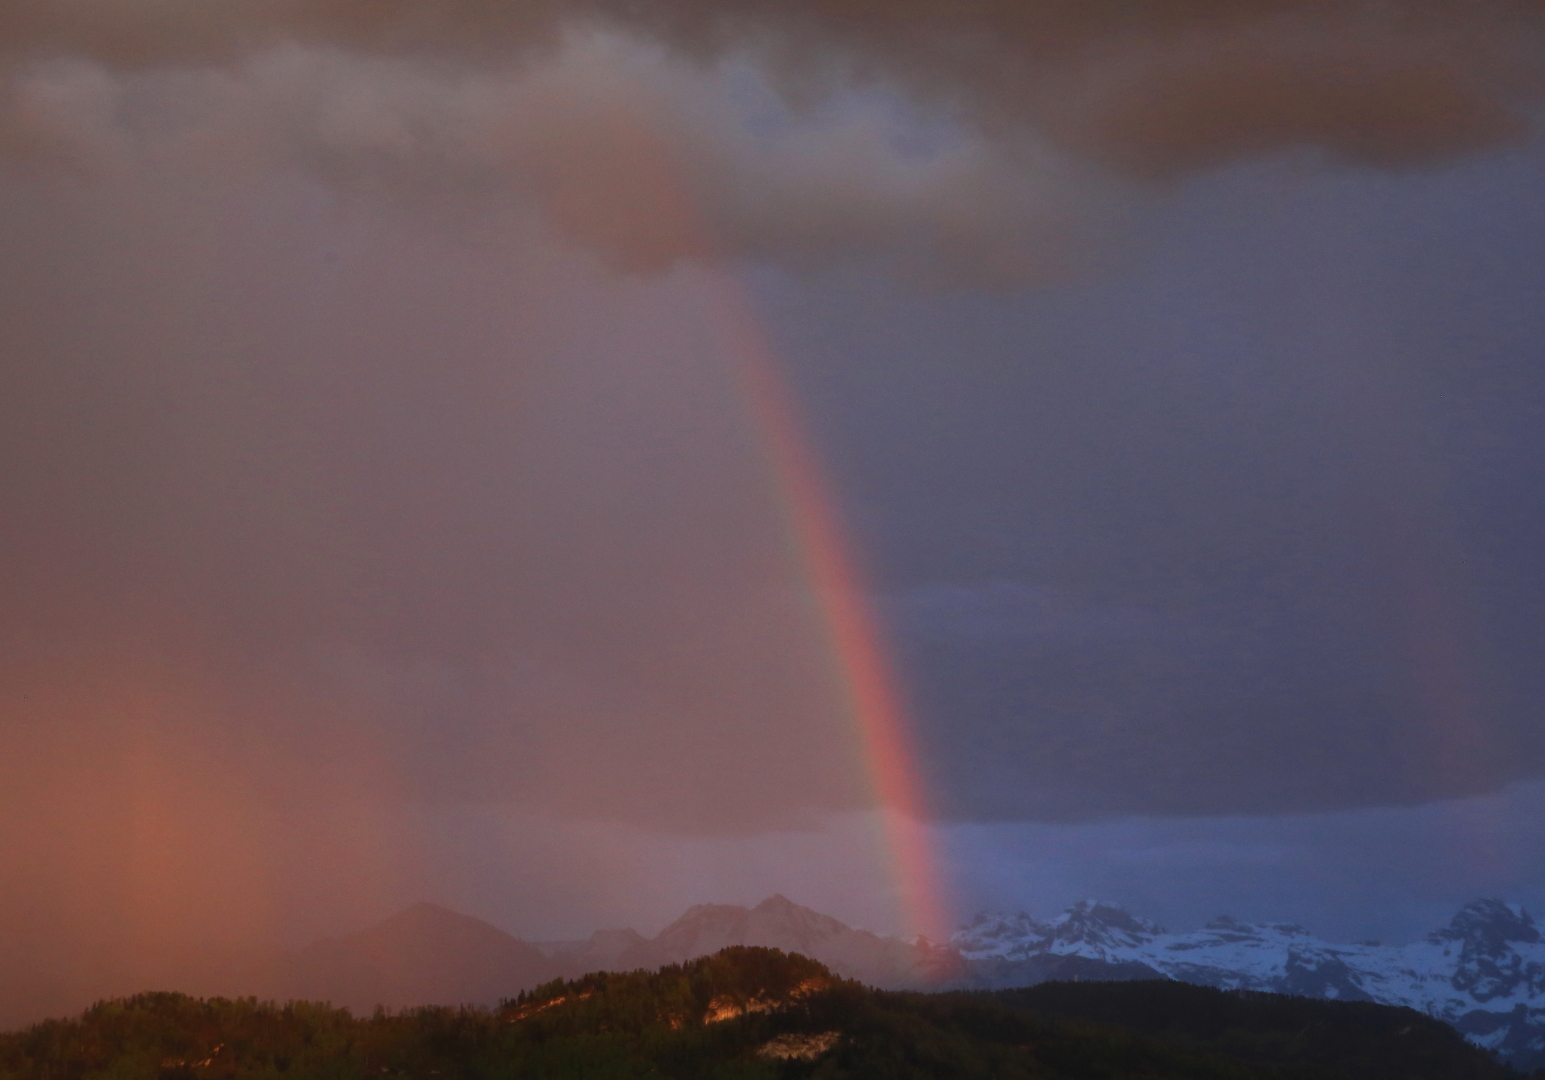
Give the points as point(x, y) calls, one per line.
point(1361, 1039)
point(742, 1014)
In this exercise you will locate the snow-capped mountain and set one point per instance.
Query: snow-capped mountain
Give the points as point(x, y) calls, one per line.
point(1089, 929)
point(1484, 972)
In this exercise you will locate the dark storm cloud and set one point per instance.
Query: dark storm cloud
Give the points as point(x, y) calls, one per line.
point(1155, 86)
point(1059, 109)
point(606, 140)
point(1045, 125)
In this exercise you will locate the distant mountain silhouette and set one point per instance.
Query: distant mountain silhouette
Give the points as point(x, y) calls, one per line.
point(424, 955)
point(598, 952)
point(428, 955)
point(779, 923)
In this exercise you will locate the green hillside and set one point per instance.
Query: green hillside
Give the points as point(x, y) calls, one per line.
point(755, 1014)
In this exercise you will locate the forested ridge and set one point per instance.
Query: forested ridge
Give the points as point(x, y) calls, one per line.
point(756, 1014)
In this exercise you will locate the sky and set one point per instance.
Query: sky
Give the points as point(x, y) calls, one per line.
point(573, 460)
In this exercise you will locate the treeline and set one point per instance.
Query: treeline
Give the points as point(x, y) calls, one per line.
point(755, 1014)
point(1359, 1038)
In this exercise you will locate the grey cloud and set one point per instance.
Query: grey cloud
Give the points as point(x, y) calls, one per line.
point(604, 140)
point(1061, 107)
point(1159, 85)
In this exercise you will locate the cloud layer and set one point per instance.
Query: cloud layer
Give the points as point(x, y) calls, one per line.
point(1056, 110)
point(1159, 85)
point(607, 143)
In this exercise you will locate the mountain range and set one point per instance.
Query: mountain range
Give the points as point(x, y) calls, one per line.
point(1484, 973)
point(430, 954)
point(777, 923)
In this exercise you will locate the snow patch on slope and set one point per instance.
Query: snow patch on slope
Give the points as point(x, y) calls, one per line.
point(1484, 972)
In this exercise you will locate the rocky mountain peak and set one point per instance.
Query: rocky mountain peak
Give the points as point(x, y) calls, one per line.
point(779, 902)
point(1101, 925)
point(1487, 927)
point(1490, 965)
point(1089, 927)
point(997, 933)
point(780, 910)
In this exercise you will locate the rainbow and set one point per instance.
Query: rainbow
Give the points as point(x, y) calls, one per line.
point(821, 557)
point(817, 543)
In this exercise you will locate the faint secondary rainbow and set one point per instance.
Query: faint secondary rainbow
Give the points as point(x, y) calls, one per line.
point(853, 641)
